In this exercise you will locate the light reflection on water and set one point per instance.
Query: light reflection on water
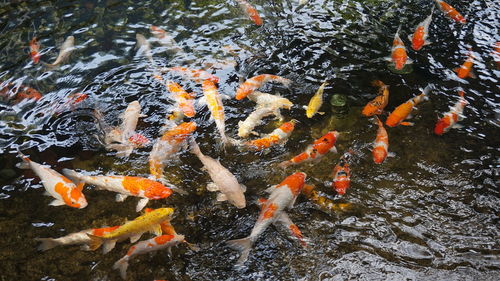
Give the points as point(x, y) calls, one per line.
point(429, 212)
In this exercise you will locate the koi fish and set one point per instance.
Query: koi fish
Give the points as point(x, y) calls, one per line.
point(76, 238)
point(71, 102)
point(165, 147)
point(465, 70)
point(377, 105)
point(316, 102)
point(419, 38)
point(184, 100)
point(214, 103)
point(402, 112)
point(252, 84)
point(245, 128)
point(144, 47)
point(450, 119)
point(381, 144)
point(323, 202)
point(250, 11)
point(133, 229)
point(450, 11)
point(35, 50)
point(398, 52)
point(271, 101)
point(66, 48)
point(196, 75)
point(342, 174)
point(496, 54)
point(278, 136)
point(282, 196)
point(154, 244)
point(125, 186)
point(318, 149)
point(124, 139)
point(165, 39)
point(223, 180)
point(56, 185)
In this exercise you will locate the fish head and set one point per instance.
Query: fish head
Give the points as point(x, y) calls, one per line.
point(157, 190)
point(379, 154)
point(237, 198)
point(369, 110)
point(77, 199)
point(341, 186)
point(295, 182)
point(161, 213)
point(442, 126)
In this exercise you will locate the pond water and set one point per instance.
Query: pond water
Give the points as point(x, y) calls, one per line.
point(429, 212)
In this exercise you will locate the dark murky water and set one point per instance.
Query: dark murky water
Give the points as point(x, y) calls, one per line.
point(430, 212)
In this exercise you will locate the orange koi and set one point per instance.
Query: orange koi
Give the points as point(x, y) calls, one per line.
point(465, 70)
point(196, 75)
point(318, 149)
point(183, 99)
point(252, 84)
point(125, 186)
point(165, 147)
point(419, 38)
point(76, 238)
point(377, 105)
point(403, 111)
point(282, 196)
point(278, 136)
point(214, 103)
point(450, 11)
point(381, 144)
point(342, 174)
point(250, 11)
point(450, 119)
point(398, 52)
point(35, 50)
point(72, 101)
point(56, 185)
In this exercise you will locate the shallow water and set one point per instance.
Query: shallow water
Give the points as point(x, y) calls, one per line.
point(430, 212)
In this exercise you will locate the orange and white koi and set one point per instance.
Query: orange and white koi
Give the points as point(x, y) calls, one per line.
point(56, 185)
point(125, 186)
point(165, 39)
point(76, 238)
point(66, 48)
point(450, 11)
point(465, 70)
point(71, 102)
point(254, 83)
point(223, 180)
point(124, 139)
point(342, 174)
point(450, 119)
point(150, 221)
point(402, 112)
point(377, 105)
point(282, 196)
point(184, 100)
point(318, 149)
point(250, 11)
point(214, 103)
point(20, 92)
point(196, 75)
point(419, 38)
point(381, 144)
point(165, 147)
point(35, 50)
point(154, 244)
point(399, 57)
point(278, 136)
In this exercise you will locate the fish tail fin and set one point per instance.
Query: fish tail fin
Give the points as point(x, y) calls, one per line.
point(122, 265)
point(46, 243)
point(285, 164)
point(193, 147)
point(243, 245)
point(427, 90)
point(432, 10)
point(95, 242)
point(26, 161)
point(399, 29)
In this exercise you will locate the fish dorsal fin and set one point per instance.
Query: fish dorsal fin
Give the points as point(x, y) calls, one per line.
point(80, 186)
point(134, 238)
point(108, 246)
point(141, 204)
point(243, 187)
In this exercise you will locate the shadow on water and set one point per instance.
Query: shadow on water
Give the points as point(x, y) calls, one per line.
point(430, 212)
